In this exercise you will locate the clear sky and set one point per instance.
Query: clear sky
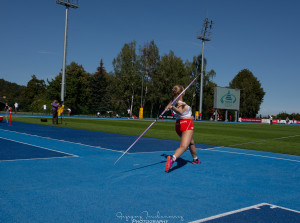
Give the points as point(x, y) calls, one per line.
point(260, 35)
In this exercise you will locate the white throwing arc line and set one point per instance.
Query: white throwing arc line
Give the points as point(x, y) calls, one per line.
point(248, 154)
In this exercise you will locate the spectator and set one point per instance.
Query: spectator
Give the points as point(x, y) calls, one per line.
point(6, 108)
point(45, 109)
point(287, 120)
point(128, 112)
point(69, 110)
point(16, 105)
point(54, 112)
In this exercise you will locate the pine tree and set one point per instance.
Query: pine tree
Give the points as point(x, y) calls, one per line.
point(99, 90)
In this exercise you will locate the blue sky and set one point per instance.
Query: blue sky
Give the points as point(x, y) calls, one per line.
point(260, 35)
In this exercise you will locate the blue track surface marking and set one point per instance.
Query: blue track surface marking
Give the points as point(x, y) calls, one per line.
point(13, 150)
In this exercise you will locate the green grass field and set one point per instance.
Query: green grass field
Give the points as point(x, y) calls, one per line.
point(271, 138)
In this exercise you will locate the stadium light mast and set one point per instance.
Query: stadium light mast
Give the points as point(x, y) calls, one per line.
point(68, 4)
point(205, 33)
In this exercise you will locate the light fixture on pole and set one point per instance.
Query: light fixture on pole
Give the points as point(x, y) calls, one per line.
point(72, 4)
point(205, 33)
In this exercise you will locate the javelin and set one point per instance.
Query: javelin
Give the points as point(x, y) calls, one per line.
point(156, 119)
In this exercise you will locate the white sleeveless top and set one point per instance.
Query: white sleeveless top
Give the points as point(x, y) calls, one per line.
point(184, 115)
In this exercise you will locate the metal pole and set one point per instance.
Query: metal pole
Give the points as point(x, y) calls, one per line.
point(201, 80)
point(142, 91)
point(64, 58)
point(131, 105)
point(205, 31)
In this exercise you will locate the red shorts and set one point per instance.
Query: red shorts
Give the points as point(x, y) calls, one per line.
point(183, 125)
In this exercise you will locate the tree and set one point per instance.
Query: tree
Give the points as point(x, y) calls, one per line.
point(100, 96)
point(34, 94)
point(252, 93)
point(54, 88)
point(77, 89)
point(283, 116)
point(148, 63)
point(77, 96)
point(127, 79)
point(171, 71)
point(10, 93)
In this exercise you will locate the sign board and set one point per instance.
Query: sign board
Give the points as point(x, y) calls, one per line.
point(227, 98)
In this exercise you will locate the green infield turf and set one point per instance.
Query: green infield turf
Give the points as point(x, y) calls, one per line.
point(272, 138)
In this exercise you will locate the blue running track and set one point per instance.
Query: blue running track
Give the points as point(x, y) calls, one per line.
point(51, 174)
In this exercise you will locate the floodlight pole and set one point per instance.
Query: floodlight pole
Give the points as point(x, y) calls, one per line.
point(142, 91)
point(73, 4)
point(203, 38)
point(63, 80)
point(201, 81)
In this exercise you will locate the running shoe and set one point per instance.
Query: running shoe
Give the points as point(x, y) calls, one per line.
point(197, 161)
point(169, 163)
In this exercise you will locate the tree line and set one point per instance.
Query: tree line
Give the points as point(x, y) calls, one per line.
point(140, 78)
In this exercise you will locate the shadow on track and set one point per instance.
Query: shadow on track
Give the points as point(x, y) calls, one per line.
point(179, 163)
point(143, 167)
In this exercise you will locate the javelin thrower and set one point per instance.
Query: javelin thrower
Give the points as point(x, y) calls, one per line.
point(173, 103)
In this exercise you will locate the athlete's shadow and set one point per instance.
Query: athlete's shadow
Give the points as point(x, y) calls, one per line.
point(179, 163)
point(142, 167)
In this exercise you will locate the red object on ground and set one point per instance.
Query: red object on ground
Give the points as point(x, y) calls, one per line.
point(1, 118)
point(10, 117)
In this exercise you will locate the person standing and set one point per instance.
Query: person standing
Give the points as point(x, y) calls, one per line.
point(184, 128)
point(128, 112)
point(271, 120)
point(45, 109)
point(16, 105)
point(54, 112)
point(6, 108)
point(69, 111)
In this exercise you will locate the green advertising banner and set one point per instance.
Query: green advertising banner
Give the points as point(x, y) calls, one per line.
point(227, 98)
